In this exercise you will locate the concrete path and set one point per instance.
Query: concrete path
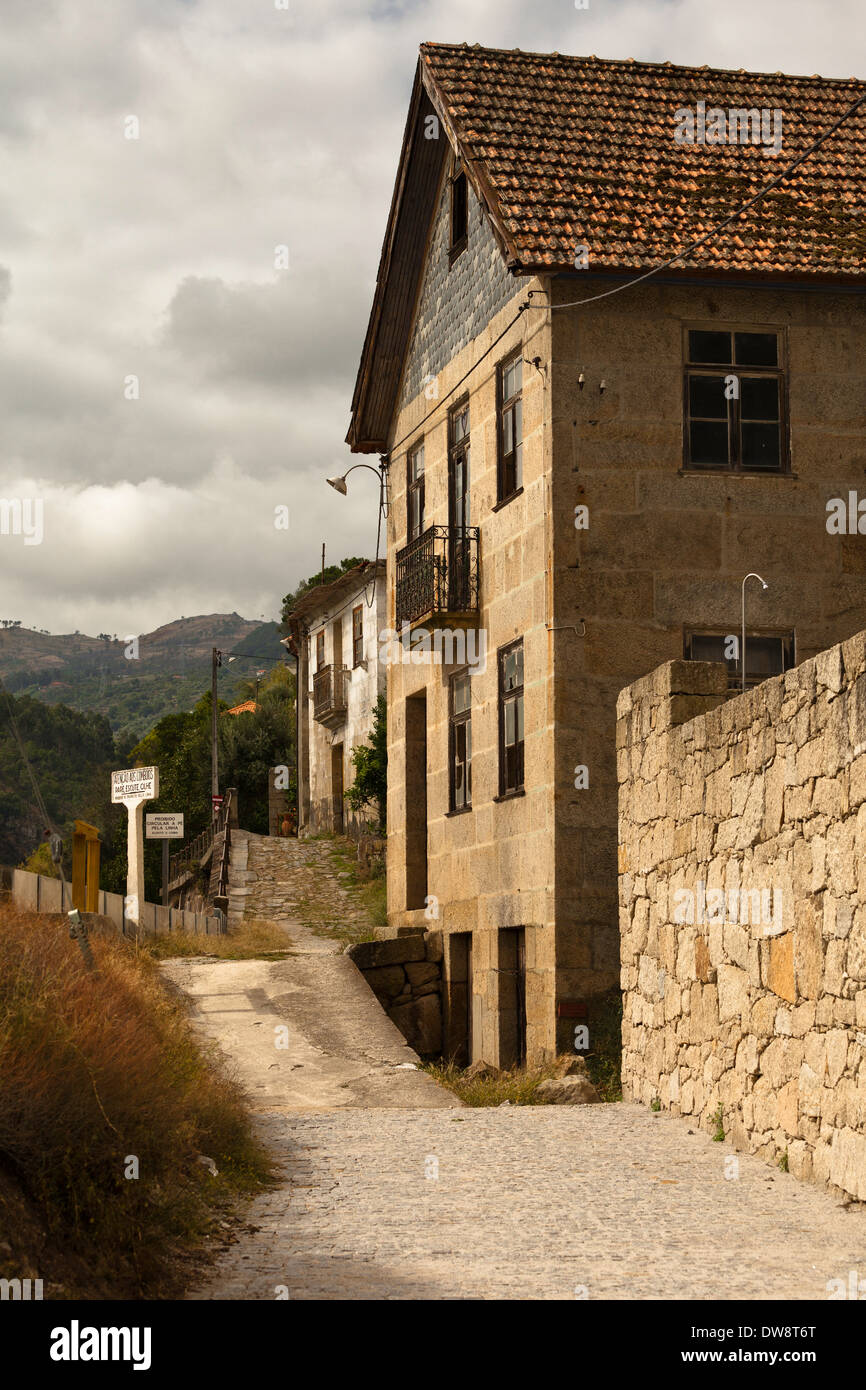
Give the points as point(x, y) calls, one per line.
point(306, 1033)
point(391, 1190)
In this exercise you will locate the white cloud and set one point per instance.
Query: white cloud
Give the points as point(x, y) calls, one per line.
point(259, 127)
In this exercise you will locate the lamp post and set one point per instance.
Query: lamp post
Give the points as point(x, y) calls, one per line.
point(338, 483)
point(216, 661)
point(765, 585)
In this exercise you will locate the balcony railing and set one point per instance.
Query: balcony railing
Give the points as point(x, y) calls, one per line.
point(329, 694)
point(438, 573)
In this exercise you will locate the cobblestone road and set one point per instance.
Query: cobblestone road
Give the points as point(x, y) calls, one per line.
point(391, 1190)
point(530, 1202)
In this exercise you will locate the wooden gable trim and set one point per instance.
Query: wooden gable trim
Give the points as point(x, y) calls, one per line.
point(400, 278)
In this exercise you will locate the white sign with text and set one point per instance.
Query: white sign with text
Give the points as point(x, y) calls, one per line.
point(135, 784)
point(164, 825)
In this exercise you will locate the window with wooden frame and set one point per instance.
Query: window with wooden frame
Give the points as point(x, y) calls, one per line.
point(459, 211)
point(510, 661)
point(734, 400)
point(358, 635)
point(767, 654)
point(415, 492)
point(320, 649)
point(509, 381)
point(460, 742)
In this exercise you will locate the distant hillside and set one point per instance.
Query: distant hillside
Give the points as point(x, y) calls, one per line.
point(170, 672)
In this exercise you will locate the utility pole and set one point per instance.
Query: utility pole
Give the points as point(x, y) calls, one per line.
point(216, 660)
point(323, 562)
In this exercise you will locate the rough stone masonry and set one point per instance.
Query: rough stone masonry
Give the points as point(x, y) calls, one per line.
point(742, 891)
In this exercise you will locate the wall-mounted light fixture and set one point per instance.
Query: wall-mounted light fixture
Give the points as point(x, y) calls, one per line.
point(743, 641)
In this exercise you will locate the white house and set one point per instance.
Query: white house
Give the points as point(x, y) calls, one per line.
point(336, 635)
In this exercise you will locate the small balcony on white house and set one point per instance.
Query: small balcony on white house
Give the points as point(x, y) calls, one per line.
point(329, 695)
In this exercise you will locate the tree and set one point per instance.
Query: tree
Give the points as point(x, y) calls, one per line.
point(370, 761)
point(332, 572)
point(253, 743)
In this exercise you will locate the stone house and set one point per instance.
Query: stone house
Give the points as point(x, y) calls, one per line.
point(581, 478)
point(335, 635)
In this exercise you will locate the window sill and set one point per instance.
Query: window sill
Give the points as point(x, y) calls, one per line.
point(457, 250)
point(505, 500)
point(686, 472)
point(463, 811)
point(510, 796)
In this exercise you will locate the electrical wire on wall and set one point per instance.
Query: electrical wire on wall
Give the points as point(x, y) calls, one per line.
point(656, 270)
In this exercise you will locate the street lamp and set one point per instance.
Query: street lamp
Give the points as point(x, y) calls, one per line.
point(338, 483)
point(743, 642)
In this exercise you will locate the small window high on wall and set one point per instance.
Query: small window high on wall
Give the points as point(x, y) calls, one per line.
point(459, 212)
point(734, 400)
point(766, 656)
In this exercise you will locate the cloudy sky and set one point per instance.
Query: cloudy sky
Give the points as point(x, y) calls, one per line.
point(151, 260)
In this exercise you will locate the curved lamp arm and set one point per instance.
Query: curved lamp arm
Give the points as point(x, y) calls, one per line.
point(743, 639)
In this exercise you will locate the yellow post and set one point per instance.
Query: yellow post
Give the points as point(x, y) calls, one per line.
point(85, 867)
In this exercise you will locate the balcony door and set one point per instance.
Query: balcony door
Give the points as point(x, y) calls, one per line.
point(458, 510)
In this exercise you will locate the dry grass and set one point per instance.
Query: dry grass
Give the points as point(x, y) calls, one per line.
point(98, 1069)
point(248, 941)
point(603, 1065)
point(518, 1085)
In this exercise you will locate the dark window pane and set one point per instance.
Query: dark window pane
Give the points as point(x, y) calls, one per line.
point(759, 398)
point(756, 349)
point(708, 443)
point(509, 477)
point(709, 347)
point(468, 727)
point(458, 209)
point(760, 446)
point(707, 397)
point(764, 656)
point(707, 647)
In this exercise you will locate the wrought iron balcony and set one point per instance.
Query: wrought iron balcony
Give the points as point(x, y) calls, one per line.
point(438, 575)
point(329, 695)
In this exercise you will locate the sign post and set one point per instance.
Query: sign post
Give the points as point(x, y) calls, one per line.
point(133, 786)
point(165, 826)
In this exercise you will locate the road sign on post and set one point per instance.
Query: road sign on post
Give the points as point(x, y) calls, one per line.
point(165, 826)
point(132, 787)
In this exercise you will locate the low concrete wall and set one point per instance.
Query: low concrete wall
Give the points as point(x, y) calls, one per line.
point(405, 974)
point(742, 891)
point(38, 893)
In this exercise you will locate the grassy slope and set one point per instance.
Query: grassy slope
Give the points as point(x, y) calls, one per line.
point(98, 1070)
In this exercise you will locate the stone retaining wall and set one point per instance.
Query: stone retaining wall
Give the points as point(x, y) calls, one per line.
point(742, 890)
point(405, 974)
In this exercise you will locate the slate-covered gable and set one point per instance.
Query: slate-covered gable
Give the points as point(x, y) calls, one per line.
point(457, 301)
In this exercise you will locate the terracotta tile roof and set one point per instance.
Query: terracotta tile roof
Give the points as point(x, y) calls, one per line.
point(573, 151)
point(247, 706)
